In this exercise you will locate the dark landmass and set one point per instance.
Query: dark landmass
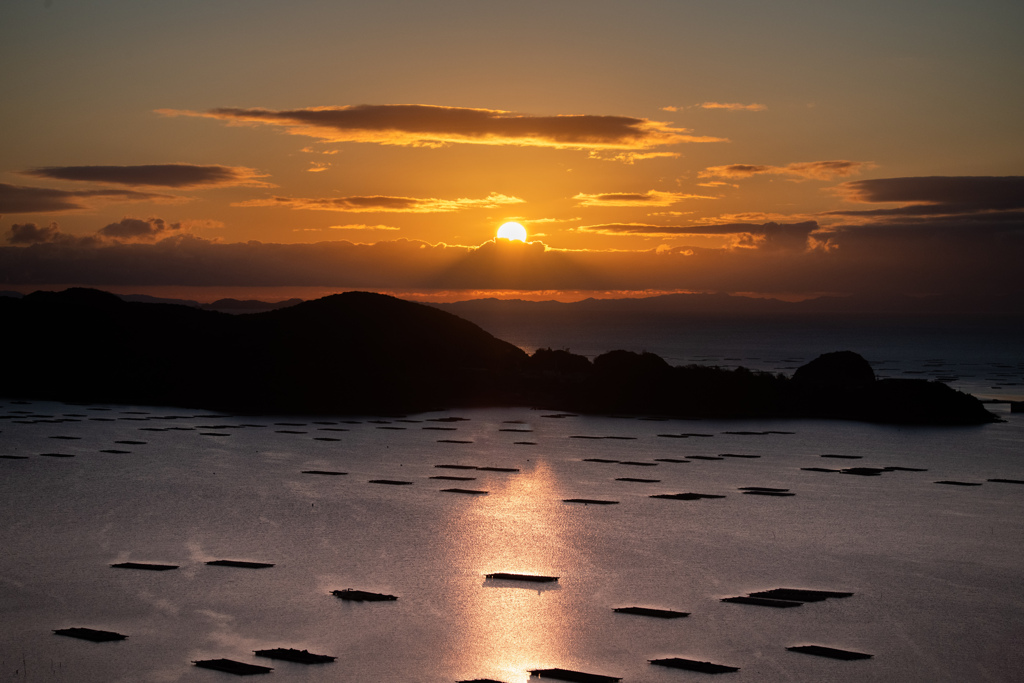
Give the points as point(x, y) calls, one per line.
point(374, 354)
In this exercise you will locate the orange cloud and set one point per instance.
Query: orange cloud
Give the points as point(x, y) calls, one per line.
point(420, 124)
point(732, 106)
point(166, 175)
point(767, 235)
point(649, 198)
point(383, 203)
point(808, 170)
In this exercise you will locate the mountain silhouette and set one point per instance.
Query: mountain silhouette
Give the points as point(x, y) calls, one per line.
point(363, 353)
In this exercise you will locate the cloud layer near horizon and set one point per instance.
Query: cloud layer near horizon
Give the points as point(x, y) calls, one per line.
point(420, 124)
point(808, 170)
point(951, 256)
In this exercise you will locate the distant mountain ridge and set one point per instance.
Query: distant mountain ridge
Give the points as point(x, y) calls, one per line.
point(360, 352)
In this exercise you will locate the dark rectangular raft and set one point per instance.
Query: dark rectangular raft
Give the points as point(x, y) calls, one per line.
point(505, 576)
point(293, 655)
point(786, 597)
point(89, 634)
point(650, 612)
point(239, 563)
point(590, 501)
point(685, 496)
point(473, 492)
point(694, 665)
point(833, 653)
point(232, 667)
point(327, 472)
point(144, 565)
point(362, 596)
point(575, 676)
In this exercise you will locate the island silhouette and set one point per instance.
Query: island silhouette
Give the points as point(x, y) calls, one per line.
point(366, 353)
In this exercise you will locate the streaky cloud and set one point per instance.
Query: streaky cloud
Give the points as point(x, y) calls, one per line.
point(24, 199)
point(934, 195)
point(163, 175)
point(807, 170)
point(650, 198)
point(769, 235)
point(382, 203)
point(732, 106)
point(427, 125)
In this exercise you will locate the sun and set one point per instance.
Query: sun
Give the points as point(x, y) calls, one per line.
point(512, 232)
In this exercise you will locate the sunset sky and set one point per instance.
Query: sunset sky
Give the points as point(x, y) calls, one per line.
point(261, 149)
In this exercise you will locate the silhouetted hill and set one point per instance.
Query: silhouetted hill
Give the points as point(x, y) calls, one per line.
point(369, 353)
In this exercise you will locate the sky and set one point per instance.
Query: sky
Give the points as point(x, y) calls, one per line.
point(261, 149)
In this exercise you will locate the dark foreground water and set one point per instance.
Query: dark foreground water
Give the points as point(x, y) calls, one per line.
point(935, 569)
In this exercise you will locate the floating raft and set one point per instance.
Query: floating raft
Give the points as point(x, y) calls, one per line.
point(469, 491)
point(800, 594)
point(786, 597)
point(737, 455)
point(240, 563)
point(753, 491)
point(706, 457)
point(144, 565)
point(694, 665)
point(455, 478)
point(293, 655)
point(638, 464)
point(998, 481)
point(598, 460)
point(959, 483)
point(232, 667)
point(642, 481)
point(481, 680)
point(762, 602)
point(590, 501)
point(649, 612)
point(575, 676)
point(505, 576)
point(327, 472)
point(686, 496)
point(675, 460)
point(89, 634)
point(391, 482)
point(834, 653)
point(362, 596)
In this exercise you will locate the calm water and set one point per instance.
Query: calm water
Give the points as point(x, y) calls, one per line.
point(936, 570)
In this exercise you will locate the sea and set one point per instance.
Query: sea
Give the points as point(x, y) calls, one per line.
point(917, 531)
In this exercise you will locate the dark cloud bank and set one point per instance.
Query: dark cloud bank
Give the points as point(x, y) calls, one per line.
point(973, 251)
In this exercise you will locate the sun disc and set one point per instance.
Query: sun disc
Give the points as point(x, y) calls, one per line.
point(512, 232)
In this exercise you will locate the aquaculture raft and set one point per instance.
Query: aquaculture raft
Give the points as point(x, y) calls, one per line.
point(694, 665)
point(240, 563)
point(650, 612)
point(832, 652)
point(575, 676)
point(94, 635)
point(293, 655)
point(505, 576)
point(232, 667)
point(143, 565)
point(362, 596)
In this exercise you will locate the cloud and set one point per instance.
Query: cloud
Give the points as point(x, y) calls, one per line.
point(732, 106)
point(30, 233)
point(959, 255)
point(360, 226)
point(22, 199)
point(936, 196)
point(649, 198)
point(164, 175)
point(383, 203)
point(765, 236)
point(136, 230)
point(420, 124)
point(808, 170)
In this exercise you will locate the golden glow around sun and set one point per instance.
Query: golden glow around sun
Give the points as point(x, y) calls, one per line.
point(512, 231)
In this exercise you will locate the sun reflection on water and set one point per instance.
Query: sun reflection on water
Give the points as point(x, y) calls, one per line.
point(511, 627)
